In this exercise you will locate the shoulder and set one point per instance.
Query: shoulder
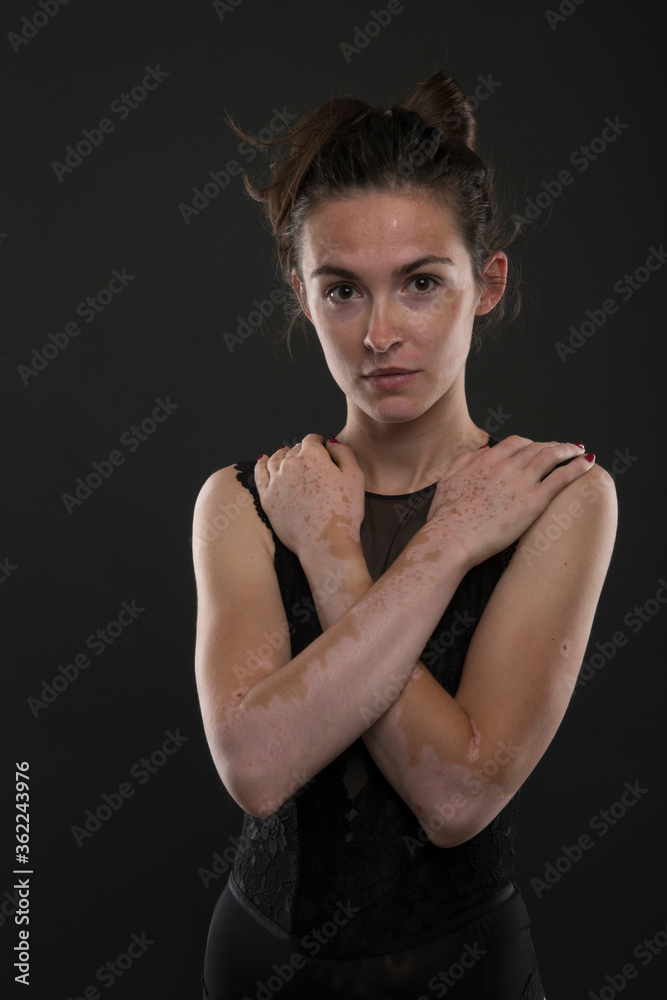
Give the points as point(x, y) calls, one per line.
point(579, 521)
point(225, 508)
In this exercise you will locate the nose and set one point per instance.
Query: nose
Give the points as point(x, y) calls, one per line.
point(383, 331)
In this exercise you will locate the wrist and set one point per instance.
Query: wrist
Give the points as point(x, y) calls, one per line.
point(440, 548)
point(336, 583)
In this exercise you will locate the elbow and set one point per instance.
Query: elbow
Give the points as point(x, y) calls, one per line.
point(454, 822)
point(248, 787)
point(256, 789)
point(448, 835)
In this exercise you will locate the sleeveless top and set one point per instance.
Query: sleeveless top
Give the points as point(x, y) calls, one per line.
point(346, 837)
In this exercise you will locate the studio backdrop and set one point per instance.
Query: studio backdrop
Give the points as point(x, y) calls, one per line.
point(141, 317)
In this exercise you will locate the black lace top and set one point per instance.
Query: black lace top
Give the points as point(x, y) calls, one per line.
point(347, 836)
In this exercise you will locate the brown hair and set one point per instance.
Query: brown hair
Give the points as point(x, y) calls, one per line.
point(346, 146)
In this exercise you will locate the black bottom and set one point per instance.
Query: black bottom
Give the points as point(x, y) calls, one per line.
point(490, 958)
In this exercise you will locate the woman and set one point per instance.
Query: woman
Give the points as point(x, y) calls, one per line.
point(388, 633)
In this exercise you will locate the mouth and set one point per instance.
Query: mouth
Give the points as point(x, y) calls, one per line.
point(390, 378)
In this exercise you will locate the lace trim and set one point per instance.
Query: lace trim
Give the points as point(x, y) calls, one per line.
point(245, 476)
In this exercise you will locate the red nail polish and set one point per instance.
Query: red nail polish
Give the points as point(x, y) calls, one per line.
point(335, 440)
point(590, 457)
point(578, 444)
point(260, 456)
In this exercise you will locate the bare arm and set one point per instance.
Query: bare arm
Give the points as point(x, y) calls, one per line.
point(273, 722)
point(270, 736)
point(458, 760)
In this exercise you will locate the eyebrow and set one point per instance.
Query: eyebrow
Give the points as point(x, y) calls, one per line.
point(398, 272)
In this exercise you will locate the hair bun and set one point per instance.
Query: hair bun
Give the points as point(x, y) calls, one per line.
point(441, 103)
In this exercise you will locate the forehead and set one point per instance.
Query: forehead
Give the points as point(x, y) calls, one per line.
point(383, 225)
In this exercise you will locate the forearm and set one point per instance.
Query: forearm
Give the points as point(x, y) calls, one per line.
point(395, 719)
point(320, 701)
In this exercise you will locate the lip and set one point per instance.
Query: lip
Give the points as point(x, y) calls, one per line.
point(390, 370)
point(390, 378)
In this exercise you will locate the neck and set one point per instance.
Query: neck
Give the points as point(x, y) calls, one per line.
point(405, 456)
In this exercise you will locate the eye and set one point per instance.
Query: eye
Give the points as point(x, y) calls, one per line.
point(346, 293)
point(420, 281)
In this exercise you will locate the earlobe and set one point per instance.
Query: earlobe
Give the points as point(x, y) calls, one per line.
point(300, 293)
point(495, 274)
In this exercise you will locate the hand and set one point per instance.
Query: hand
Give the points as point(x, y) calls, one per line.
point(313, 494)
point(488, 498)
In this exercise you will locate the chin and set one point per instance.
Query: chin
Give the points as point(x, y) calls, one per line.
point(397, 410)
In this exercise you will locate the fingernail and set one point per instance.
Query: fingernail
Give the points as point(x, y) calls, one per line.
point(590, 457)
point(578, 445)
point(335, 440)
point(260, 456)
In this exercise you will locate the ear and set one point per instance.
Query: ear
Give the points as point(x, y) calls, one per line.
point(495, 276)
point(300, 290)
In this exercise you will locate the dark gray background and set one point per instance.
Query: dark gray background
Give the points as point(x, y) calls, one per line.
point(161, 338)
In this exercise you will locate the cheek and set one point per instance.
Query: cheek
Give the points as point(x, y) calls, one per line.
point(336, 350)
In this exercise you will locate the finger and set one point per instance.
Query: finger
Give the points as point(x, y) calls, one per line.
point(274, 460)
point(561, 477)
point(342, 455)
point(550, 455)
point(261, 472)
point(311, 439)
point(510, 446)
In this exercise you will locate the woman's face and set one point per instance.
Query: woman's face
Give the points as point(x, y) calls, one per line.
point(388, 284)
